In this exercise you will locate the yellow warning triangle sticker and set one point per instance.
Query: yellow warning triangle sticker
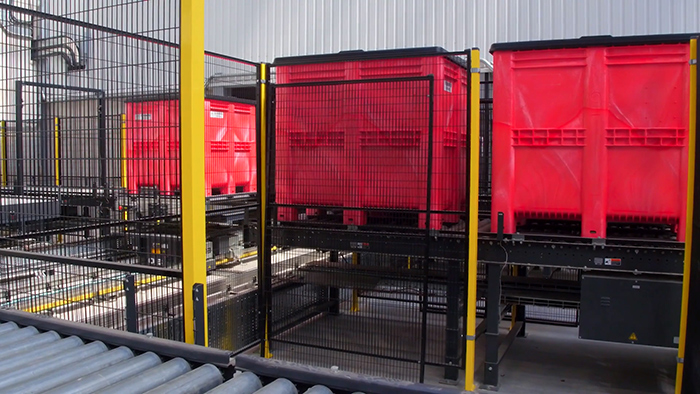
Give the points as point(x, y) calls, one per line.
point(633, 337)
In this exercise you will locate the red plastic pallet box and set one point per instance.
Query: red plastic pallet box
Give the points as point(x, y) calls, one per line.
point(593, 130)
point(147, 123)
point(229, 146)
point(364, 145)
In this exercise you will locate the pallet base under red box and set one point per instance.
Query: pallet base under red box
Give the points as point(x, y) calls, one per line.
point(175, 190)
point(361, 217)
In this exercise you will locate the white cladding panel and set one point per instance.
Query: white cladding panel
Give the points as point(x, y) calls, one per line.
point(261, 30)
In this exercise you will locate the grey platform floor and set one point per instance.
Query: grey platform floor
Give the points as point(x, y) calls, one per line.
point(550, 359)
point(554, 360)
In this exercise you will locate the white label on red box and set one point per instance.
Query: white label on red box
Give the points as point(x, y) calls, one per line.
point(447, 86)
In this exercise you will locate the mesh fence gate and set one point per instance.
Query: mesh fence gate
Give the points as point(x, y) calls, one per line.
point(356, 151)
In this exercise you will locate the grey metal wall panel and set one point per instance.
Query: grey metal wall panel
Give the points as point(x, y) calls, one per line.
point(157, 19)
point(264, 29)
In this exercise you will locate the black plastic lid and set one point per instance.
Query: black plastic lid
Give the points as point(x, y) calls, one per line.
point(359, 55)
point(176, 96)
point(593, 41)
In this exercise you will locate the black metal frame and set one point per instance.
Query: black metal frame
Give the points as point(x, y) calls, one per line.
point(102, 128)
point(661, 257)
point(133, 268)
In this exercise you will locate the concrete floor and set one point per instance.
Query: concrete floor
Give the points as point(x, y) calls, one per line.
point(550, 359)
point(553, 360)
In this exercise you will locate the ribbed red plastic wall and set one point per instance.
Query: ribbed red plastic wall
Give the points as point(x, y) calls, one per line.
point(596, 135)
point(365, 145)
point(153, 146)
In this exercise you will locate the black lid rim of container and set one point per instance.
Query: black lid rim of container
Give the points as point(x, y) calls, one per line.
point(593, 41)
point(359, 55)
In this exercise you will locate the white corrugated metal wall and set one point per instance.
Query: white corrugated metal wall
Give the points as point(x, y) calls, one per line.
point(264, 29)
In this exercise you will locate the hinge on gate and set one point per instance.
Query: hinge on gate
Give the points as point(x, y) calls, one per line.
point(693, 62)
point(476, 70)
point(679, 360)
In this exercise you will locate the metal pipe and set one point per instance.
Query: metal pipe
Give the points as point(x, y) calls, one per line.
point(108, 376)
point(18, 335)
point(8, 327)
point(244, 383)
point(58, 376)
point(150, 378)
point(486, 65)
point(163, 347)
point(27, 357)
point(32, 342)
point(62, 46)
point(318, 390)
point(198, 381)
point(279, 386)
point(20, 373)
point(142, 269)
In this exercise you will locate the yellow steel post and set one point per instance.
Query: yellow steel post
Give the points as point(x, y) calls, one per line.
point(123, 150)
point(355, 297)
point(57, 159)
point(262, 190)
point(57, 150)
point(192, 158)
point(3, 151)
point(473, 225)
point(689, 212)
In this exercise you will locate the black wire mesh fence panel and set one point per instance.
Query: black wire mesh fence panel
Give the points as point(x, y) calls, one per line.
point(231, 178)
point(486, 125)
point(118, 297)
point(88, 158)
point(378, 147)
point(90, 154)
point(76, 131)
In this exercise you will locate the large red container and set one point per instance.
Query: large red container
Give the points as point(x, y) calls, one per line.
point(365, 145)
point(229, 146)
point(592, 130)
point(146, 147)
